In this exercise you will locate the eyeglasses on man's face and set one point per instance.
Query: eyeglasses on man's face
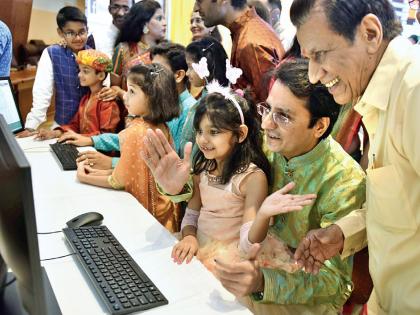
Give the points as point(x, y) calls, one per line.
point(280, 119)
point(114, 8)
point(72, 35)
point(414, 4)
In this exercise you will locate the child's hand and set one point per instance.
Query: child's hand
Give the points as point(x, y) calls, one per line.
point(282, 202)
point(70, 137)
point(26, 133)
point(45, 134)
point(82, 172)
point(185, 249)
point(96, 172)
point(107, 94)
point(164, 162)
point(95, 159)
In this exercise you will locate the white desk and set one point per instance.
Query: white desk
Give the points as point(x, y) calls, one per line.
point(58, 196)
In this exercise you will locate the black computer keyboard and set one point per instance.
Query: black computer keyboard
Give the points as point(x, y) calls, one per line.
point(66, 154)
point(120, 282)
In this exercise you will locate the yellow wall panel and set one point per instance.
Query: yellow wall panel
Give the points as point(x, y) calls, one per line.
point(180, 13)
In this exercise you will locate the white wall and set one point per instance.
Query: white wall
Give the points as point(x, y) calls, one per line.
point(52, 6)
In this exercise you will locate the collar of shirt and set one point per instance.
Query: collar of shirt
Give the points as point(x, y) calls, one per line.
point(239, 23)
point(316, 154)
point(377, 94)
point(378, 91)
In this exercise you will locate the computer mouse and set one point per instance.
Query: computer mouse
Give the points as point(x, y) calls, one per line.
point(86, 219)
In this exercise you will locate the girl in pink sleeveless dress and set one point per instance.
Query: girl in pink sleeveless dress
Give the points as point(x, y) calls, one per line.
point(231, 177)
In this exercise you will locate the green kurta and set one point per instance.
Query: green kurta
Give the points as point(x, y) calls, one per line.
point(339, 183)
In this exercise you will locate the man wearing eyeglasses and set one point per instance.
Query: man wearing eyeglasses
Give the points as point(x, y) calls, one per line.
point(105, 36)
point(297, 118)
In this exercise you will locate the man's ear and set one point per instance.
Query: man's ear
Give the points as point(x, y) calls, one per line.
point(371, 32)
point(60, 32)
point(180, 76)
point(321, 126)
point(243, 133)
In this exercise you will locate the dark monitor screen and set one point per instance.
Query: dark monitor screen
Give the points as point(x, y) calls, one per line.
point(9, 107)
point(18, 233)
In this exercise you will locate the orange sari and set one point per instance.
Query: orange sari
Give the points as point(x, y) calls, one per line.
point(133, 175)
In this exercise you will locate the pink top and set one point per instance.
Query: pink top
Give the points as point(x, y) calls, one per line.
point(222, 206)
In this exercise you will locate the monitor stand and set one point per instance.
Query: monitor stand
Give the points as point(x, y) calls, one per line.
point(11, 304)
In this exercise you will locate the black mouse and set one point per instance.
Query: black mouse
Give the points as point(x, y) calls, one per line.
point(86, 219)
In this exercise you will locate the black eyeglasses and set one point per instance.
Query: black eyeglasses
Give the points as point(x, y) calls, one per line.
point(72, 35)
point(114, 8)
point(279, 118)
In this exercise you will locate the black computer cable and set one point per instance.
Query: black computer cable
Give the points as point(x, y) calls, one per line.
point(7, 283)
point(45, 233)
point(58, 257)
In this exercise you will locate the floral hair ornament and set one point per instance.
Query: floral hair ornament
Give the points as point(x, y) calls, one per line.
point(232, 73)
point(201, 68)
point(215, 87)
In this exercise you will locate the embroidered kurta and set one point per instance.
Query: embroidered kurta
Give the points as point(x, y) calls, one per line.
point(257, 50)
point(133, 175)
point(339, 184)
point(390, 107)
point(94, 117)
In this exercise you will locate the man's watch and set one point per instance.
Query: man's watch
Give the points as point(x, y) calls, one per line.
point(30, 129)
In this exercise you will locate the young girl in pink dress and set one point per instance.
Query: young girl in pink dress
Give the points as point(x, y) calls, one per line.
point(230, 178)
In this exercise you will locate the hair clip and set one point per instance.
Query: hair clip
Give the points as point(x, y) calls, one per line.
point(204, 49)
point(155, 71)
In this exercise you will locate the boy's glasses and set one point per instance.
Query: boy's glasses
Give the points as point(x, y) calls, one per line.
point(114, 8)
point(414, 4)
point(278, 118)
point(72, 35)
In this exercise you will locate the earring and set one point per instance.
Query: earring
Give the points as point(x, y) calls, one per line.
point(145, 29)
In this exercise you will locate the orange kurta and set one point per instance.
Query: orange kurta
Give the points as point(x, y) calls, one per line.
point(94, 117)
point(257, 50)
point(133, 175)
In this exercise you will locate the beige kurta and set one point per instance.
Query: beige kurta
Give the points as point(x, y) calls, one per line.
point(390, 108)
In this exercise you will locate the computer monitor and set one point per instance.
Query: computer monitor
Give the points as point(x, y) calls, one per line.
point(9, 107)
point(18, 232)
